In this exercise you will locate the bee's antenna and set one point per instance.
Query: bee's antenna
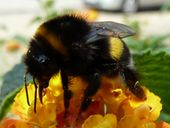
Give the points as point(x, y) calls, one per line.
point(35, 95)
point(26, 90)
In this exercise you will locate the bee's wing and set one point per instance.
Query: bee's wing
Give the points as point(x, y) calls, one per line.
point(106, 29)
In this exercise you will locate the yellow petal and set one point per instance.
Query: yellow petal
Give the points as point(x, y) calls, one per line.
point(55, 85)
point(113, 100)
point(20, 106)
point(142, 112)
point(12, 123)
point(112, 93)
point(139, 118)
point(128, 121)
point(98, 121)
point(149, 125)
point(152, 101)
point(163, 124)
point(45, 115)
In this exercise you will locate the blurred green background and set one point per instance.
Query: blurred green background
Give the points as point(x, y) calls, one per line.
point(150, 46)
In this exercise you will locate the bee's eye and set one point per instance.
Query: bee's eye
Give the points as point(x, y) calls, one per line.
point(41, 58)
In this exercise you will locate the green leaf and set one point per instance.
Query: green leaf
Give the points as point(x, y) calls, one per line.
point(12, 79)
point(6, 104)
point(154, 70)
point(165, 117)
point(154, 43)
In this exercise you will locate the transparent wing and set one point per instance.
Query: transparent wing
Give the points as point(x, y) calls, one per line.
point(106, 29)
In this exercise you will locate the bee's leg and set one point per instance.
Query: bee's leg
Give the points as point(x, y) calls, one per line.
point(131, 79)
point(40, 92)
point(67, 92)
point(26, 90)
point(35, 94)
point(92, 88)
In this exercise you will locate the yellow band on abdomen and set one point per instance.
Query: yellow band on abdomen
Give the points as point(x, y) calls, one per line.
point(116, 48)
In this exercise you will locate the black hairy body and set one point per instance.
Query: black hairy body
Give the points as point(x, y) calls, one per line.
point(75, 47)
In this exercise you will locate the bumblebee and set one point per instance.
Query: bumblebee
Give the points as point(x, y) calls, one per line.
point(74, 47)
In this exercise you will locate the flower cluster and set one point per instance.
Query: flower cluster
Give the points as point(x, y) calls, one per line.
point(114, 106)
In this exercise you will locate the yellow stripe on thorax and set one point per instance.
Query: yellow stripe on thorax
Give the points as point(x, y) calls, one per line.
point(52, 39)
point(116, 48)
